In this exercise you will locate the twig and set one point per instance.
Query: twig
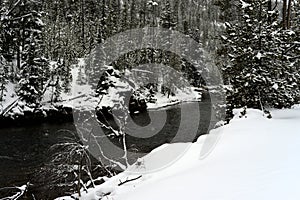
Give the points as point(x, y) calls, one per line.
point(261, 105)
point(71, 99)
point(129, 180)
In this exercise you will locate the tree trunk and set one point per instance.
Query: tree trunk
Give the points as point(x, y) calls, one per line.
point(284, 19)
point(18, 59)
point(269, 9)
point(288, 19)
point(82, 26)
point(2, 92)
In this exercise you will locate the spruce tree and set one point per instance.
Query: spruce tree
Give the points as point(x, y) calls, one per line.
point(34, 70)
point(259, 72)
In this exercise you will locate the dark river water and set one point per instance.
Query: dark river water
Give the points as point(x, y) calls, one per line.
point(25, 150)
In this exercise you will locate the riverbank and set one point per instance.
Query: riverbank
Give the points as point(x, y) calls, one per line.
point(81, 96)
point(56, 114)
point(64, 113)
point(254, 158)
point(27, 147)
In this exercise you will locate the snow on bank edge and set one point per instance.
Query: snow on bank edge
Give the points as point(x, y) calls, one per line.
point(256, 158)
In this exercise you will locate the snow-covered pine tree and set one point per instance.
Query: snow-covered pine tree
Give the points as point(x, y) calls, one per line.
point(34, 70)
point(295, 57)
point(260, 74)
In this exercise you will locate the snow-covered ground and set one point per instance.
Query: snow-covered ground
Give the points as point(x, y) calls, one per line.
point(255, 158)
point(82, 96)
point(181, 96)
point(79, 96)
point(10, 96)
point(121, 85)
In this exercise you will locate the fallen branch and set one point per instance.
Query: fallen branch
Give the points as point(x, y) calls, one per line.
point(9, 107)
point(129, 180)
point(71, 99)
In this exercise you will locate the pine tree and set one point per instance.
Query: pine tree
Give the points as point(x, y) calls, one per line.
point(3, 77)
point(34, 70)
point(260, 74)
point(3, 63)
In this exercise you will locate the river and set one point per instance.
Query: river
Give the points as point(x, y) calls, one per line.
point(25, 150)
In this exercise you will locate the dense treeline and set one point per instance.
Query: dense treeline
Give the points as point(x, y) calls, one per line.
point(256, 43)
point(40, 40)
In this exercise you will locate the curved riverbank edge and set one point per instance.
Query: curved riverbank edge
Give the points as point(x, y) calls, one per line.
point(57, 114)
point(64, 113)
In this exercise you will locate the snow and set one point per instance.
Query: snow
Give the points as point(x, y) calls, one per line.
point(259, 55)
point(244, 4)
point(290, 32)
point(131, 82)
point(115, 93)
point(153, 3)
point(81, 62)
point(10, 95)
point(255, 158)
point(181, 96)
point(275, 86)
point(82, 96)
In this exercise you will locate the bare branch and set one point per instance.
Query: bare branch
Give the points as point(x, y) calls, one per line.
point(129, 180)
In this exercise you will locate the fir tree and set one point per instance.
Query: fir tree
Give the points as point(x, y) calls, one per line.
point(259, 71)
point(34, 70)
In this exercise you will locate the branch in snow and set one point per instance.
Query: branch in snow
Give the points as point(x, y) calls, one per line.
point(129, 180)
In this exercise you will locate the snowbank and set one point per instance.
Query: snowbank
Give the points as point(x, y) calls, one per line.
point(256, 158)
